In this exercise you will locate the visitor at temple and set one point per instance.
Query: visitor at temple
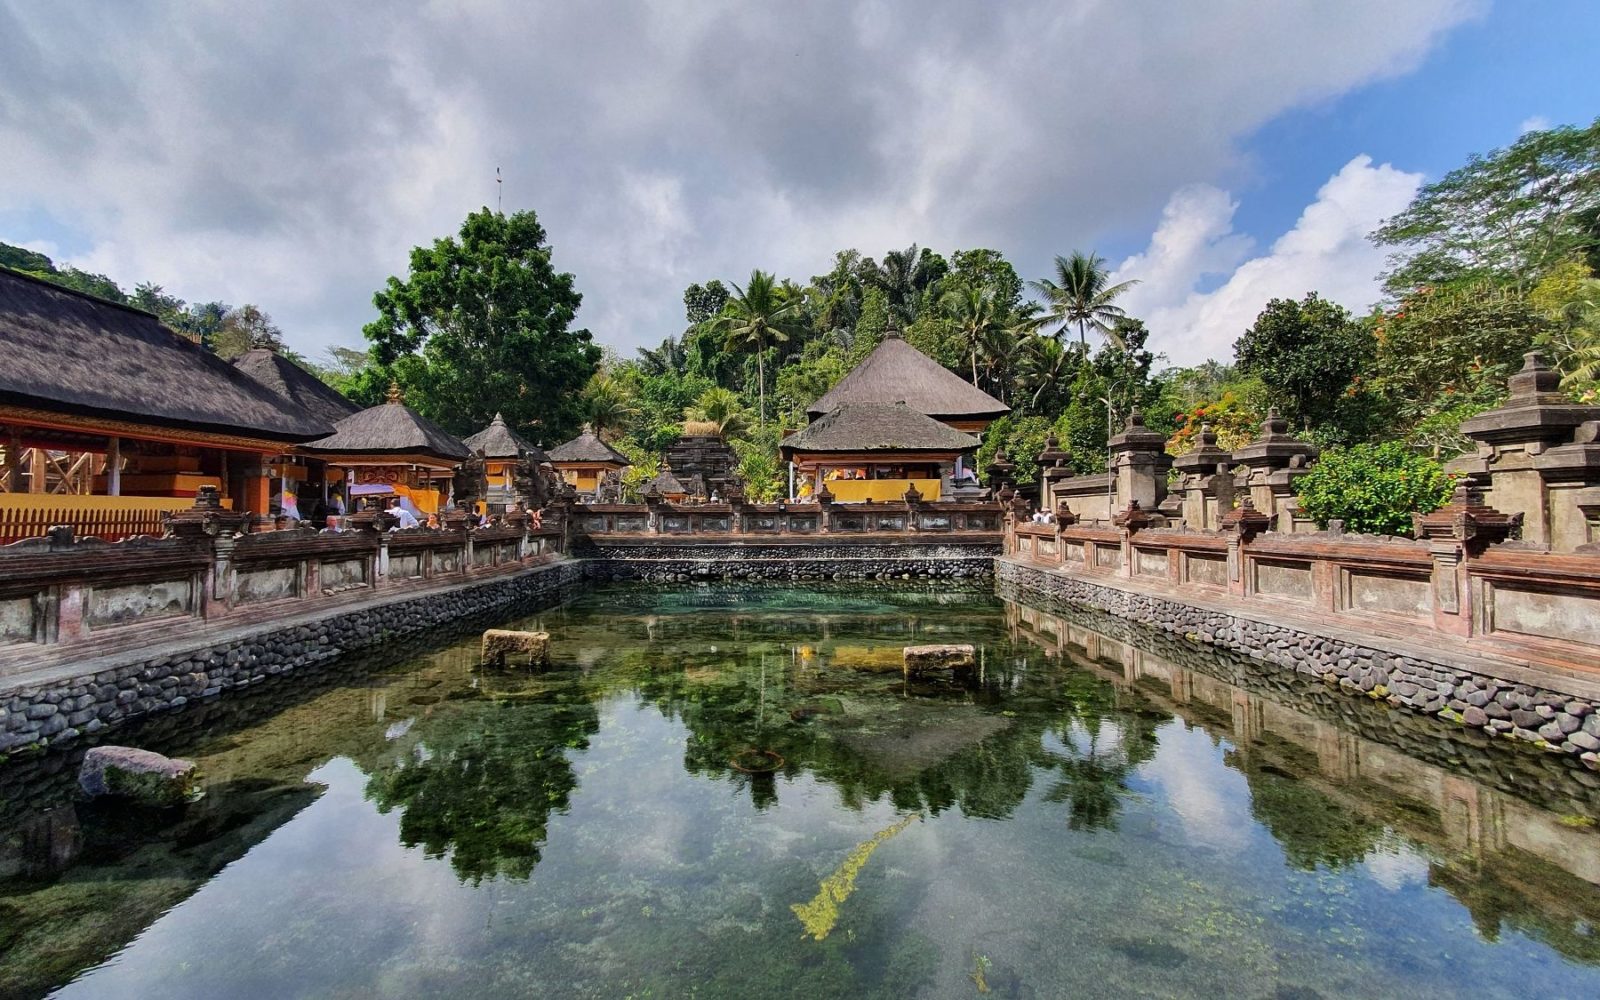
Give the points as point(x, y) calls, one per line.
point(403, 517)
point(433, 522)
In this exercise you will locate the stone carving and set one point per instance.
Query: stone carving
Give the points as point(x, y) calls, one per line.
point(609, 488)
point(206, 519)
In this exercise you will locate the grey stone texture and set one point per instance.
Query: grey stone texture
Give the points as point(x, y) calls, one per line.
point(1413, 683)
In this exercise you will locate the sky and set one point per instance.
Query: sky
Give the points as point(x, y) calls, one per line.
point(1222, 154)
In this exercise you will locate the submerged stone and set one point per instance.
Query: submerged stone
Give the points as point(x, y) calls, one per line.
point(141, 776)
point(958, 658)
point(504, 646)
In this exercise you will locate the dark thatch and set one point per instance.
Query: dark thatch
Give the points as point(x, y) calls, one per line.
point(391, 428)
point(68, 352)
point(667, 484)
point(298, 386)
point(587, 447)
point(896, 372)
point(498, 440)
point(878, 427)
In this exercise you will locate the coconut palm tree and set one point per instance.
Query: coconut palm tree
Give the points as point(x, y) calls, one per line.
point(721, 407)
point(973, 312)
point(607, 404)
point(1044, 363)
point(1081, 295)
point(758, 314)
point(908, 279)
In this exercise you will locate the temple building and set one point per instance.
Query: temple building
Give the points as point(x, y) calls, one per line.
point(899, 419)
point(585, 460)
point(703, 463)
point(391, 450)
point(301, 483)
point(502, 449)
point(108, 418)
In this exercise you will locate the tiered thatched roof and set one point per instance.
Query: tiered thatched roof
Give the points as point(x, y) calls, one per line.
point(63, 351)
point(498, 440)
point(886, 427)
point(289, 381)
point(587, 448)
point(391, 428)
point(896, 372)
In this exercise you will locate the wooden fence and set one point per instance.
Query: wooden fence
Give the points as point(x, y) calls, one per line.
point(32, 515)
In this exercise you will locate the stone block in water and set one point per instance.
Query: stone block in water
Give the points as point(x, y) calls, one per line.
point(958, 658)
point(506, 646)
point(140, 776)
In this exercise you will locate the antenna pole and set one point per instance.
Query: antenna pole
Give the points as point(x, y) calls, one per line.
point(499, 193)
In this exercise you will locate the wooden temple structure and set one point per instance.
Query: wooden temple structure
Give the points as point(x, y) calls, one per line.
point(503, 450)
point(898, 420)
point(108, 418)
point(302, 485)
point(391, 450)
point(585, 460)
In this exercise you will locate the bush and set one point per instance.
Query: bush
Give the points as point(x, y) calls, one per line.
point(1374, 489)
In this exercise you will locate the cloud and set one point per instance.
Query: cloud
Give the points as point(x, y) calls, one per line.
point(1536, 123)
point(1326, 251)
point(292, 154)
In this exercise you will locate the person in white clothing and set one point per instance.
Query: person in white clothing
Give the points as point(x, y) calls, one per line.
point(405, 518)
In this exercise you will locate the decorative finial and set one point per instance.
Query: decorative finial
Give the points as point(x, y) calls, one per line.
point(395, 395)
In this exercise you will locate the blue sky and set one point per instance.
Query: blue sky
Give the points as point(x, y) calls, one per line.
point(1224, 153)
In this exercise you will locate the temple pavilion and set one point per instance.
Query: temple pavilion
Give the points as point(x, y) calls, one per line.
point(108, 418)
point(502, 449)
point(898, 419)
point(586, 459)
point(300, 482)
point(391, 450)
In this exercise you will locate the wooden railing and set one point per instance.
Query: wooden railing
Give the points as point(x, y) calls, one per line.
point(32, 515)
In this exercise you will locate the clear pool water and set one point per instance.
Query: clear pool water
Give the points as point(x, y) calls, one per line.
point(732, 792)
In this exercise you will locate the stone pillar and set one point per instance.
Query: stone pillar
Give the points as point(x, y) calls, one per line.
point(1275, 460)
point(1139, 461)
point(1527, 445)
point(824, 499)
point(1052, 466)
point(1241, 524)
point(1455, 532)
point(1204, 483)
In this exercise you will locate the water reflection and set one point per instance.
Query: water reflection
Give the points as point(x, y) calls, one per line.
point(657, 810)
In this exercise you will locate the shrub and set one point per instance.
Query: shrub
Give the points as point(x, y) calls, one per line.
point(1374, 488)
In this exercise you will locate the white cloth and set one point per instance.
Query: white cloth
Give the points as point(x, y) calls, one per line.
point(405, 517)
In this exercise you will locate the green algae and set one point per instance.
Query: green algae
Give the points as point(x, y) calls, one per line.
point(819, 916)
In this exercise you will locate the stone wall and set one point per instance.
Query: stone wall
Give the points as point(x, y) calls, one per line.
point(1553, 712)
point(86, 704)
point(812, 559)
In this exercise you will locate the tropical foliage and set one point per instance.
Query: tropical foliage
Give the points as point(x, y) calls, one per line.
point(1373, 488)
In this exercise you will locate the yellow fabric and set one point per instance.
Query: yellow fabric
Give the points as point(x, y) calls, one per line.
point(858, 490)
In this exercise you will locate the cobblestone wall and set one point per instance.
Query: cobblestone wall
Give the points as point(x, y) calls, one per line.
point(1543, 716)
point(84, 705)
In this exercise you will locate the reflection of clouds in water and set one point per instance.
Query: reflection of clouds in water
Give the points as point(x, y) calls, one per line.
point(1395, 865)
point(399, 729)
point(1210, 798)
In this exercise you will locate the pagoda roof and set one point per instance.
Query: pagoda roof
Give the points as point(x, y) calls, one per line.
point(587, 447)
point(878, 427)
point(498, 440)
point(289, 381)
point(391, 428)
point(66, 351)
point(896, 372)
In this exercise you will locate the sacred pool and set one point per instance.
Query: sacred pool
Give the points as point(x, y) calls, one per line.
point(733, 791)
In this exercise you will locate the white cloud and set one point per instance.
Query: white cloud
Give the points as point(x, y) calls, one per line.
point(292, 154)
point(1536, 123)
point(1327, 252)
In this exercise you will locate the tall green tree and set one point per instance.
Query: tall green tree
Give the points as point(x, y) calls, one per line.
point(977, 320)
point(1082, 295)
point(483, 323)
point(608, 405)
point(756, 316)
point(1505, 218)
point(1308, 354)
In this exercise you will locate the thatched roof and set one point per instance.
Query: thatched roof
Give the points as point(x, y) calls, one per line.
point(587, 447)
point(498, 440)
point(896, 372)
point(298, 386)
point(878, 427)
point(65, 351)
point(391, 428)
point(666, 483)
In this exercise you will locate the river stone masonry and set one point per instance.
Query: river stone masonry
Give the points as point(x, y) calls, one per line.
point(816, 560)
point(89, 703)
point(1552, 720)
